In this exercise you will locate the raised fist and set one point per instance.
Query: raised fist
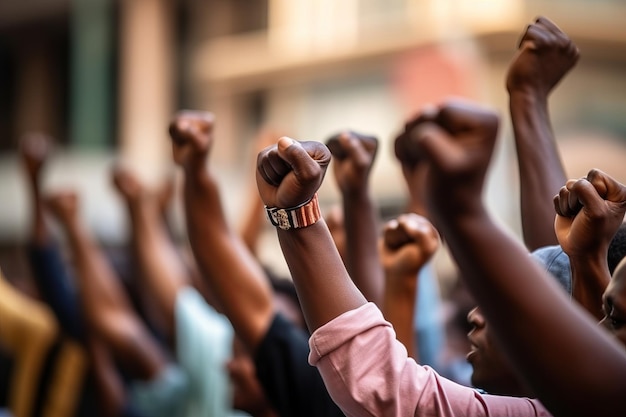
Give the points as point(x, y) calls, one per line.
point(408, 242)
point(589, 212)
point(353, 157)
point(545, 55)
point(192, 135)
point(289, 173)
point(456, 141)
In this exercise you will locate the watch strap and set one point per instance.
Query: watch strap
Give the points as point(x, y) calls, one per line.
point(303, 215)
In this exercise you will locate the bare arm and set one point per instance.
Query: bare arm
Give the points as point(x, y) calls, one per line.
point(408, 242)
point(546, 54)
point(289, 174)
point(413, 167)
point(162, 270)
point(254, 220)
point(353, 157)
point(105, 304)
point(234, 275)
point(34, 150)
point(107, 380)
point(539, 328)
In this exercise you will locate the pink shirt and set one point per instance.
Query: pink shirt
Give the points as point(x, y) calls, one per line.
point(368, 373)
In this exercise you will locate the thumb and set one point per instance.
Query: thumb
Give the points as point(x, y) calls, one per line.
point(308, 160)
point(304, 157)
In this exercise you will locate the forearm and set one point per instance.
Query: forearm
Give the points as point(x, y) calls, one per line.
point(540, 168)
point(399, 310)
point(96, 280)
point(39, 232)
point(252, 225)
point(108, 383)
point(324, 287)
point(235, 277)
point(523, 306)
point(108, 309)
point(362, 258)
point(590, 277)
point(162, 268)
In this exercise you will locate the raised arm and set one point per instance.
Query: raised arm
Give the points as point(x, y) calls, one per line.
point(545, 55)
point(408, 242)
point(575, 367)
point(55, 283)
point(235, 277)
point(589, 212)
point(413, 165)
point(162, 272)
point(353, 347)
point(253, 222)
point(48, 267)
point(105, 304)
point(353, 158)
point(289, 175)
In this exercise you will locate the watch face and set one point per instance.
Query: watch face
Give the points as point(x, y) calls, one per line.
point(278, 218)
point(282, 218)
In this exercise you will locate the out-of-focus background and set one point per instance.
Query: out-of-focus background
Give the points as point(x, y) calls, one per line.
point(104, 77)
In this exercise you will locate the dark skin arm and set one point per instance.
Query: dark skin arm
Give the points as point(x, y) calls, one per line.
point(107, 307)
point(536, 325)
point(413, 166)
point(589, 212)
point(235, 277)
point(107, 379)
point(162, 271)
point(407, 244)
point(289, 174)
point(353, 157)
point(545, 56)
point(254, 220)
point(34, 150)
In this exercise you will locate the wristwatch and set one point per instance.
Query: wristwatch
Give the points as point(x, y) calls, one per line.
point(303, 215)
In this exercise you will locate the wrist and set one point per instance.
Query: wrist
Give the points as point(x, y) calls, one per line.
point(357, 192)
point(195, 165)
point(457, 212)
point(401, 286)
point(297, 217)
point(527, 95)
point(587, 261)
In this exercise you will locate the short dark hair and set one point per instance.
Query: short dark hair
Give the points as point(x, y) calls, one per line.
point(617, 248)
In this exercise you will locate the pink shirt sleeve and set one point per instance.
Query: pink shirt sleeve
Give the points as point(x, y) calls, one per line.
point(368, 373)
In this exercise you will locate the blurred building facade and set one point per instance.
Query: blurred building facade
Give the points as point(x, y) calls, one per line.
point(105, 76)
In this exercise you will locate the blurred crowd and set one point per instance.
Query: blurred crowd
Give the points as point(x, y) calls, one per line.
point(201, 327)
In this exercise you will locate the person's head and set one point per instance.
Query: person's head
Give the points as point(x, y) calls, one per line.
point(491, 371)
point(617, 248)
point(614, 297)
point(614, 303)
